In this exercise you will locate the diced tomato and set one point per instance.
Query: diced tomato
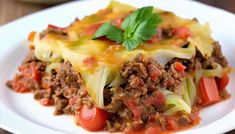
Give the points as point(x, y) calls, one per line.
point(31, 36)
point(55, 27)
point(133, 131)
point(92, 29)
point(171, 124)
point(92, 119)
point(208, 91)
point(72, 100)
point(31, 71)
point(157, 100)
point(194, 115)
point(157, 37)
point(155, 129)
point(179, 67)
point(182, 32)
point(35, 73)
point(18, 86)
point(46, 102)
point(134, 108)
point(117, 22)
point(154, 39)
point(222, 82)
point(154, 72)
point(90, 62)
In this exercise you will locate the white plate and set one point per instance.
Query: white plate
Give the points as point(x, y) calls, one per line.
point(19, 113)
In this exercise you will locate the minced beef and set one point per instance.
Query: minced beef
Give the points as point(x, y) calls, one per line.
point(137, 102)
point(69, 93)
point(63, 88)
point(199, 62)
point(140, 98)
point(29, 76)
point(218, 56)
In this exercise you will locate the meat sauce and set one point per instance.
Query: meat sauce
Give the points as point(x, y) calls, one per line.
point(137, 106)
point(172, 125)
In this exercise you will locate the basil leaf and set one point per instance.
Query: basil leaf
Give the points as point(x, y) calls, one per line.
point(138, 15)
point(111, 32)
point(138, 26)
point(147, 28)
point(131, 44)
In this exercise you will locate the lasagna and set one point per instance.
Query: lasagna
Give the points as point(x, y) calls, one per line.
point(126, 69)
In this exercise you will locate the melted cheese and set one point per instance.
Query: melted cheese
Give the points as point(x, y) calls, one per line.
point(110, 56)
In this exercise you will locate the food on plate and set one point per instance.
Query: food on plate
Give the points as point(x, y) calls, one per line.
point(126, 69)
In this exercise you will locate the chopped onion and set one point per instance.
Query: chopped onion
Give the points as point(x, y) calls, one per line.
point(176, 103)
point(163, 56)
point(52, 66)
point(216, 72)
point(189, 91)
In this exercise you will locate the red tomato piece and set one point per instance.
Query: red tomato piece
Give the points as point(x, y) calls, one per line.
point(157, 100)
point(92, 119)
point(171, 124)
point(50, 26)
point(154, 72)
point(46, 102)
point(179, 67)
point(133, 131)
point(18, 86)
point(155, 129)
point(157, 37)
point(92, 29)
point(72, 100)
point(90, 61)
point(208, 91)
point(31, 71)
point(182, 32)
point(36, 73)
point(134, 108)
point(118, 22)
point(222, 82)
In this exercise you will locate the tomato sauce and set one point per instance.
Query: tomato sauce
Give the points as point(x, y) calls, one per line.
point(170, 127)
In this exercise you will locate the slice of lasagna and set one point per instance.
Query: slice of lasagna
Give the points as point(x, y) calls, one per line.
point(126, 69)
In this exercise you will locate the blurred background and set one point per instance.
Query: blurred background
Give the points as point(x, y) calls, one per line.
point(13, 9)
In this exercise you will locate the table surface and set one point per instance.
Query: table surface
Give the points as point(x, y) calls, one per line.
point(21, 9)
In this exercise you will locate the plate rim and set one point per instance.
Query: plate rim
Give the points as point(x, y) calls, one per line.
point(4, 120)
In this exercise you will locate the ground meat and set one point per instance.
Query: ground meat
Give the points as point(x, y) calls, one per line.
point(66, 85)
point(140, 98)
point(184, 120)
point(60, 104)
point(39, 94)
point(167, 32)
point(66, 79)
point(134, 67)
point(29, 75)
point(135, 103)
point(199, 62)
point(218, 56)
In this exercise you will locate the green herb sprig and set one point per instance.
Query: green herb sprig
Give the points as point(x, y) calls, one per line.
point(137, 27)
